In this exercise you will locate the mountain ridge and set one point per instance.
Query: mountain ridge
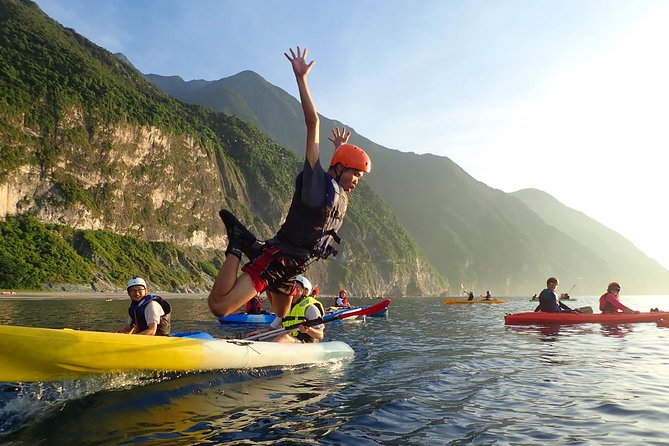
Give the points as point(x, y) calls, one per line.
point(473, 234)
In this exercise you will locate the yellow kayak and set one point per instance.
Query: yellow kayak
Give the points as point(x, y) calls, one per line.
point(44, 354)
point(475, 301)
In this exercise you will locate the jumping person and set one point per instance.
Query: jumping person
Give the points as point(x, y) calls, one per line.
point(148, 314)
point(316, 212)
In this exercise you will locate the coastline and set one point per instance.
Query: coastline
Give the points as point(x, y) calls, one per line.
point(119, 295)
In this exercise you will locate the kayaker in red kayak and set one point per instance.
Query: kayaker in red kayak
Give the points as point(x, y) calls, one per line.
point(548, 301)
point(609, 302)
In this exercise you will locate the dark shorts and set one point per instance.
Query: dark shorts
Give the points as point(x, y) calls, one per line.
point(273, 271)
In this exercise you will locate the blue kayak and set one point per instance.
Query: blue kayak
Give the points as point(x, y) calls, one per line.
point(245, 318)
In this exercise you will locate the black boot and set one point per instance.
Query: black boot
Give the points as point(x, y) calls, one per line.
point(240, 239)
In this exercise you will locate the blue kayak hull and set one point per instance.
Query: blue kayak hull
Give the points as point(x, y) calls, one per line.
point(243, 318)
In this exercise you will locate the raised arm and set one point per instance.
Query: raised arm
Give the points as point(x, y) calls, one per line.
point(301, 69)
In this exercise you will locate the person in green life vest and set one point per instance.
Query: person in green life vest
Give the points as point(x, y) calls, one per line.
point(304, 308)
point(148, 314)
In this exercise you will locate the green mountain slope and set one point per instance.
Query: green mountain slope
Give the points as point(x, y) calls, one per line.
point(628, 265)
point(86, 141)
point(473, 234)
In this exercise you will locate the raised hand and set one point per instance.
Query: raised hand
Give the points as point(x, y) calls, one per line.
point(299, 62)
point(339, 136)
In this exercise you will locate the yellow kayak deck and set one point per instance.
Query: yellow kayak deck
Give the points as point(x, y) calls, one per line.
point(44, 354)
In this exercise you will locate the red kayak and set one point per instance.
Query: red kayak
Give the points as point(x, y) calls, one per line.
point(582, 318)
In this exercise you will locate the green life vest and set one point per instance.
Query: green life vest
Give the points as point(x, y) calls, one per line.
point(297, 312)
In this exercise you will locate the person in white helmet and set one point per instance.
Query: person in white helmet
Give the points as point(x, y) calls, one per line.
point(304, 308)
point(148, 314)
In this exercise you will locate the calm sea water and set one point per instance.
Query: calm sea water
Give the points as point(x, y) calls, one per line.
point(429, 374)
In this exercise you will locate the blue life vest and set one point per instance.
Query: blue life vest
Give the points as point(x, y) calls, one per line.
point(138, 318)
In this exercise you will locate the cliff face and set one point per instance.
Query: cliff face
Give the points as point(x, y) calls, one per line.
point(87, 142)
point(135, 180)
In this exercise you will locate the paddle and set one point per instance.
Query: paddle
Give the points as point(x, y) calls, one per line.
point(322, 320)
point(585, 310)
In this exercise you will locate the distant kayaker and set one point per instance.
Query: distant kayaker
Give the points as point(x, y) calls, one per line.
point(304, 308)
point(310, 230)
point(548, 301)
point(342, 300)
point(254, 306)
point(609, 302)
point(148, 314)
point(470, 296)
point(487, 295)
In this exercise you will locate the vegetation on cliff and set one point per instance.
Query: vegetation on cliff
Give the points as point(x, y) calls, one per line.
point(85, 140)
point(34, 255)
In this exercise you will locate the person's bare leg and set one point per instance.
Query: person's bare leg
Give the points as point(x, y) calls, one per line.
point(229, 292)
point(285, 338)
point(280, 303)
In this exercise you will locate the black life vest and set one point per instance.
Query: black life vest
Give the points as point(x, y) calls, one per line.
point(311, 232)
point(138, 318)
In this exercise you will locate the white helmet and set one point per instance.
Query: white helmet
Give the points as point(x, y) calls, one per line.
point(305, 283)
point(135, 281)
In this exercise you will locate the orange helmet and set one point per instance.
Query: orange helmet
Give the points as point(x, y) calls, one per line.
point(316, 291)
point(353, 157)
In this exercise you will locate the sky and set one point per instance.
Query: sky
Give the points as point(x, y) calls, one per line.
point(567, 96)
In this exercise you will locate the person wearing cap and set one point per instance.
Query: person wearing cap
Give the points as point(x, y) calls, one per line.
point(304, 307)
point(548, 301)
point(148, 314)
point(609, 302)
point(309, 232)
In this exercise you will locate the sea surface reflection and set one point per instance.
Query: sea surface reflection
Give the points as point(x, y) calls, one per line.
point(427, 374)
